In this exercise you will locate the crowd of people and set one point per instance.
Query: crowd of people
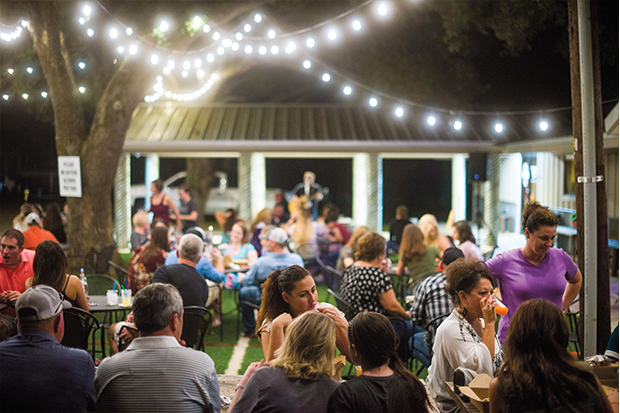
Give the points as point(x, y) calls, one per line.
point(449, 326)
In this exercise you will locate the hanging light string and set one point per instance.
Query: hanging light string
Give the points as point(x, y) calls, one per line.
point(8, 33)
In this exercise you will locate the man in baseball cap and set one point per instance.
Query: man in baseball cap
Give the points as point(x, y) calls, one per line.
point(35, 234)
point(38, 373)
point(279, 257)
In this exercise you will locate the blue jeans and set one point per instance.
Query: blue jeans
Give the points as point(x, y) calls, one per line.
point(251, 294)
point(420, 349)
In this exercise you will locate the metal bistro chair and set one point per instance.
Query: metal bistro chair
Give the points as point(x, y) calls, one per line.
point(196, 320)
point(429, 336)
point(573, 324)
point(79, 325)
point(342, 305)
point(331, 275)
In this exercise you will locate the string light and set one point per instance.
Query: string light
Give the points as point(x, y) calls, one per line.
point(326, 77)
point(248, 49)
point(332, 34)
point(82, 89)
point(399, 112)
point(206, 28)
point(113, 34)
point(154, 59)
point(247, 28)
point(239, 36)
point(10, 71)
point(307, 64)
point(258, 18)
point(357, 26)
point(25, 96)
point(373, 102)
point(216, 36)
point(499, 128)
point(262, 50)
point(543, 126)
point(457, 125)
point(133, 49)
point(271, 34)
point(82, 21)
point(90, 32)
point(44, 95)
point(129, 31)
point(347, 90)
point(86, 10)
point(164, 26)
point(431, 120)
point(29, 70)
point(5, 97)
point(310, 42)
point(121, 49)
point(274, 50)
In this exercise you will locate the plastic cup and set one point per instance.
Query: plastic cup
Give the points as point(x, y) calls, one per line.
point(126, 297)
point(500, 308)
point(112, 297)
point(358, 370)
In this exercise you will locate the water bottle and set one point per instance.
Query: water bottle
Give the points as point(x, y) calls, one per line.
point(84, 281)
point(210, 235)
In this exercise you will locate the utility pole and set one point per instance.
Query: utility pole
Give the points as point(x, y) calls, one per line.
point(591, 199)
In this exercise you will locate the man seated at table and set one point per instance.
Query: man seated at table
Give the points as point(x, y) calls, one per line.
point(431, 300)
point(183, 275)
point(278, 258)
point(15, 269)
point(156, 372)
point(35, 234)
point(37, 373)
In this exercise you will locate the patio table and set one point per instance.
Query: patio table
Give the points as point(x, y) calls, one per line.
point(111, 314)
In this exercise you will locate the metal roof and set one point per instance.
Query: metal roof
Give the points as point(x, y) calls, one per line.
point(184, 127)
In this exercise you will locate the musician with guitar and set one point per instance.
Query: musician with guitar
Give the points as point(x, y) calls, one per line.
point(306, 192)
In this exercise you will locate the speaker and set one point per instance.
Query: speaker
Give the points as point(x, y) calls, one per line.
point(477, 167)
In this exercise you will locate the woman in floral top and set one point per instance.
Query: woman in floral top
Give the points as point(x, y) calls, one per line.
point(467, 337)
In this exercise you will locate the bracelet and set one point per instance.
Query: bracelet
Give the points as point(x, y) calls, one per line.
point(239, 386)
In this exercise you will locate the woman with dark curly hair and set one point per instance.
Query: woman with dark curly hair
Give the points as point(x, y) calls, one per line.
point(288, 293)
point(539, 374)
point(385, 385)
point(537, 270)
point(465, 339)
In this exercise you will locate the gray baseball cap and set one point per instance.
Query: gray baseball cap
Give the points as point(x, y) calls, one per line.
point(40, 303)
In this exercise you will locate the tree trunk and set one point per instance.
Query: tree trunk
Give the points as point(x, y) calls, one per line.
point(199, 179)
point(90, 217)
point(603, 304)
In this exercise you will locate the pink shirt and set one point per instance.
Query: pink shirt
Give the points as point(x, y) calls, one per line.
point(15, 280)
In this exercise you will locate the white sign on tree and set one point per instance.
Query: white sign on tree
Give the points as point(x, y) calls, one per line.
point(69, 176)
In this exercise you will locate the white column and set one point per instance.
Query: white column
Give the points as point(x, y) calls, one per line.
point(550, 179)
point(151, 173)
point(258, 186)
point(510, 186)
point(122, 202)
point(244, 166)
point(491, 199)
point(459, 187)
point(368, 190)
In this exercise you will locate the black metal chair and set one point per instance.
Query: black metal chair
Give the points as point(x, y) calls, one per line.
point(573, 323)
point(332, 276)
point(196, 321)
point(345, 307)
point(430, 330)
point(99, 284)
point(79, 325)
point(123, 344)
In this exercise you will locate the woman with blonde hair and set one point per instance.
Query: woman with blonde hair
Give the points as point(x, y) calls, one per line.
point(19, 222)
point(299, 379)
point(303, 232)
point(420, 259)
point(347, 254)
point(287, 294)
point(50, 268)
point(430, 228)
point(263, 218)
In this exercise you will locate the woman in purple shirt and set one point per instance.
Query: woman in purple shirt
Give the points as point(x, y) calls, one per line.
point(536, 270)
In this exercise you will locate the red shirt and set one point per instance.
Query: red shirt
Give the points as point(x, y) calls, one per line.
point(15, 280)
point(35, 235)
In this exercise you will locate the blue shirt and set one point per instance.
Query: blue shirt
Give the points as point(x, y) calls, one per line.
point(39, 374)
point(204, 267)
point(267, 264)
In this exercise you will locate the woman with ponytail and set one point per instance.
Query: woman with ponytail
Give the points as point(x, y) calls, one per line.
point(385, 385)
point(287, 294)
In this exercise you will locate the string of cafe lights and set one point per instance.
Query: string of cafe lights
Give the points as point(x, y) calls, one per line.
point(246, 40)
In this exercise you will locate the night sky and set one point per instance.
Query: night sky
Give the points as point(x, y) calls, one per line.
point(536, 79)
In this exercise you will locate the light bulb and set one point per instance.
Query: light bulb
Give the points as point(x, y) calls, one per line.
point(82, 20)
point(310, 42)
point(290, 48)
point(239, 36)
point(44, 95)
point(271, 34)
point(210, 58)
point(226, 42)
point(133, 49)
point(247, 28)
point(216, 36)
point(113, 34)
point(347, 90)
point(235, 46)
point(86, 10)
point(164, 26)
point(332, 35)
point(29, 70)
point(274, 50)
point(431, 120)
point(373, 102)
point(82, 89)
point(90, 32)
point(25, 96)
point(543, 125)
point(170, 64)
point(399, 112)
point(307, 64)
point(326, 77)
point(356, 25)
point(258, 18)
point(129, 31)
point(499, 127)
point(121, 49)
point(154, 59)
point(198, 63)
point(197, 22)
point(168, 94)
point(206, 28)
point(10, 71)
point(200, 73)
point(159, 79)
point(248, 49)
point(187, 65)
point(458, 125)
point(81, 65)
point(220, 50)
point(382, 10)
point(184, 73)
point(5, 97)
point(166, 70)
point(262, 50)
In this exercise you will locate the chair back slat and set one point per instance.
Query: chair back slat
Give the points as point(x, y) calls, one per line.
point(78, 326)
point(196, 320)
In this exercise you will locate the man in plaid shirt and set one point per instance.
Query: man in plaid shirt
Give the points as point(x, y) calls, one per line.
point(431, 305)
